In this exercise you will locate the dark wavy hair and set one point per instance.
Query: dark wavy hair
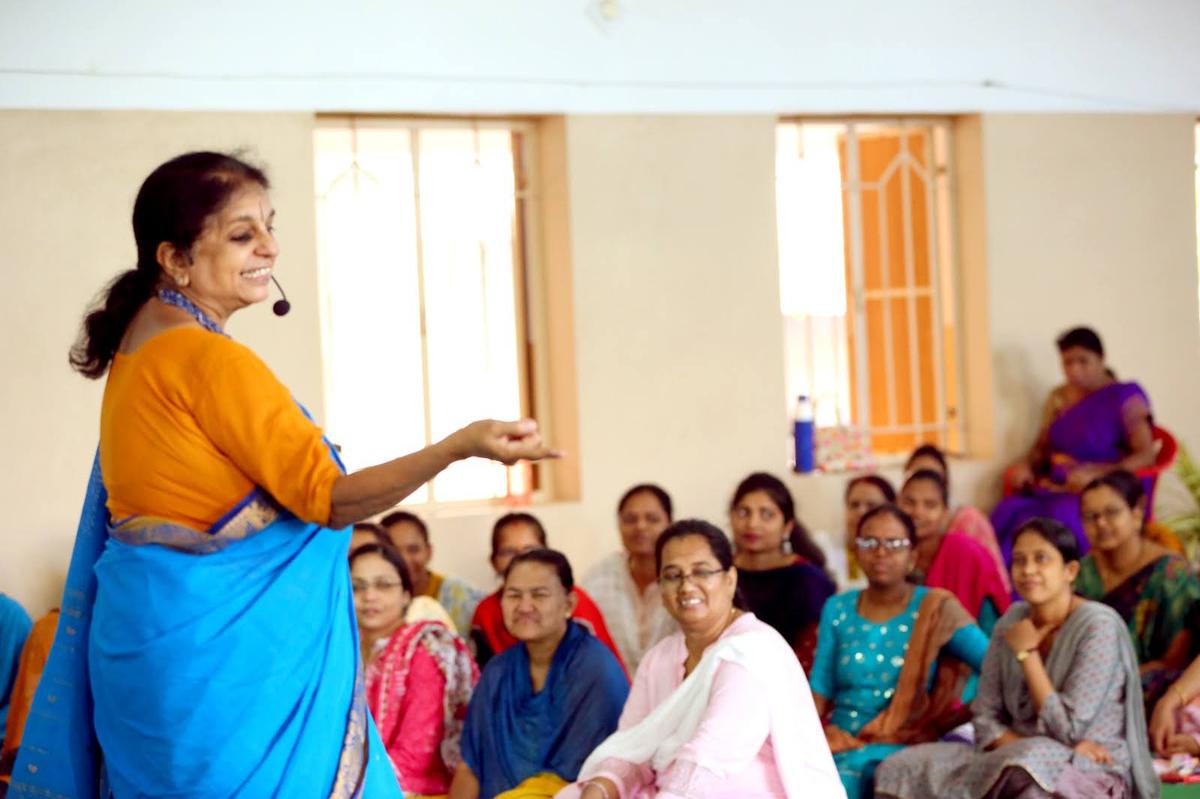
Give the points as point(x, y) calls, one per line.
point(172, 206)
point(773, 487)
point(1125, 483)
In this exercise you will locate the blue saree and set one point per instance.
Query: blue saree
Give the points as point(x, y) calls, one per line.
point(512, 733)
point(219, 664)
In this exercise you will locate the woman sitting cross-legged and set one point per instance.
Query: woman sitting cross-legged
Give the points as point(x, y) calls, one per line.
point(1059, 707)
point(419, 675)
point(946, 558)
point(1152, 588)
point(542, 705)
point(720, 709)
point(892, 659)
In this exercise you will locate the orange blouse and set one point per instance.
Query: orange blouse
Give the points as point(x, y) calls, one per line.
point(192, 421)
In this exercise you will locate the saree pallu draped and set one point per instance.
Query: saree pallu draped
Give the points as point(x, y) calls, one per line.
point(513, 734)
point(188, 664)
point(1093, 430)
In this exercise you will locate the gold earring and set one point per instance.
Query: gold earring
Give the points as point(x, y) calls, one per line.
point(181, 281)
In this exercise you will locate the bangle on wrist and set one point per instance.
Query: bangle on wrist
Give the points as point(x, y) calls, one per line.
point(600, 786)
point(1024, 654)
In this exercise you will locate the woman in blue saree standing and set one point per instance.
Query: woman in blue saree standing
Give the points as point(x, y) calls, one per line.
point(209, 646)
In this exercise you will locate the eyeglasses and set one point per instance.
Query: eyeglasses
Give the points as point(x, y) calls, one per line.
point(889, 544)
point(361, 586)
point(1110, 514)
point(674, 580)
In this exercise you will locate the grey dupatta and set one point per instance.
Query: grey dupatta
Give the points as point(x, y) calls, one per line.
point(1057, 719)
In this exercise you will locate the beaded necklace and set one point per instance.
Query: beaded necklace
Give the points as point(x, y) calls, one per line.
point(176, 298)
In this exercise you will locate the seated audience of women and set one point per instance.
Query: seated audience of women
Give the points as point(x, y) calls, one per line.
point(625, 584)
point(1175, 728)
point(1059, 708)
point(781, 571)
point(719, 709)
point(966, 519)
point(515, 534)
point(1090, 425)
point(410, 536)
point(1152, 588)
point(419, 675)
point(542, 705)
point(949, 559)
point(863, 493)
point(893, 658)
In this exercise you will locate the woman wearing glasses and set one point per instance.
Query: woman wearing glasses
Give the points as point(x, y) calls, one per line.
point(892, 659)
point(419, 675)
point(1151, 587)
point(720, 708)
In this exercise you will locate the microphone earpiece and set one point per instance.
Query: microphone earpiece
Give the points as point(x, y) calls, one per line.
point(281, 307)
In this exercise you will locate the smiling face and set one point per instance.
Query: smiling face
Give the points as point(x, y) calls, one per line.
point(889, 563)
point(1083, 368)
point(1039, 572)
point(535, 604)
point(642, 520)
point(230, 264)
point(861, 497)
point(380, 600)
point(1108, 520)
point(922, 500)
point(696, 590)
point(412, 546)
point(758, 524)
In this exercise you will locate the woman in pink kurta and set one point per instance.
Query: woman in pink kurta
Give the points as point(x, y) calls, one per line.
point(419, 675)
point(720, 709)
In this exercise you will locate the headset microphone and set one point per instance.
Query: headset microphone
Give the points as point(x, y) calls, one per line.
point(281, 307)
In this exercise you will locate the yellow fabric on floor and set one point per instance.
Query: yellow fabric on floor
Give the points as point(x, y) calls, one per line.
point(541, 786)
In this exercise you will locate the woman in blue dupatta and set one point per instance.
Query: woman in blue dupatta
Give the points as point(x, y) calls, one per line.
point(542, 706)
point(208, 645)
point(1091, 425)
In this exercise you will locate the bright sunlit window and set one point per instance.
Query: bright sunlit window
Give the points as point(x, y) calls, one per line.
point(867, 280)
point(421, 232)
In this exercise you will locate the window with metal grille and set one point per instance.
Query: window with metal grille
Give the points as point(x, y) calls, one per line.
point(421, 230)
point(865, 217)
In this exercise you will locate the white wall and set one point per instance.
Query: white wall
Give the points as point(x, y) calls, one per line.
point(678, 338)
point(554, 56)
point(1091, 220)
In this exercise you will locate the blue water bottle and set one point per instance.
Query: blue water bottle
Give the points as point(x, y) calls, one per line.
point(802, 434)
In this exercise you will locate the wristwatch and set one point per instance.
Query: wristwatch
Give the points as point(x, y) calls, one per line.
point(1024, 654)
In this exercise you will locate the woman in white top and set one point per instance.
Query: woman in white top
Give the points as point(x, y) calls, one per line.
point(625, 584)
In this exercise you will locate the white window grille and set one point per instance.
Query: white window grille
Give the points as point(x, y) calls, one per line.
point(421, 234)
point(867, 278)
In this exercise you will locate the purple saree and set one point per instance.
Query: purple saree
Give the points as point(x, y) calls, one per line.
point(1094, 430)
